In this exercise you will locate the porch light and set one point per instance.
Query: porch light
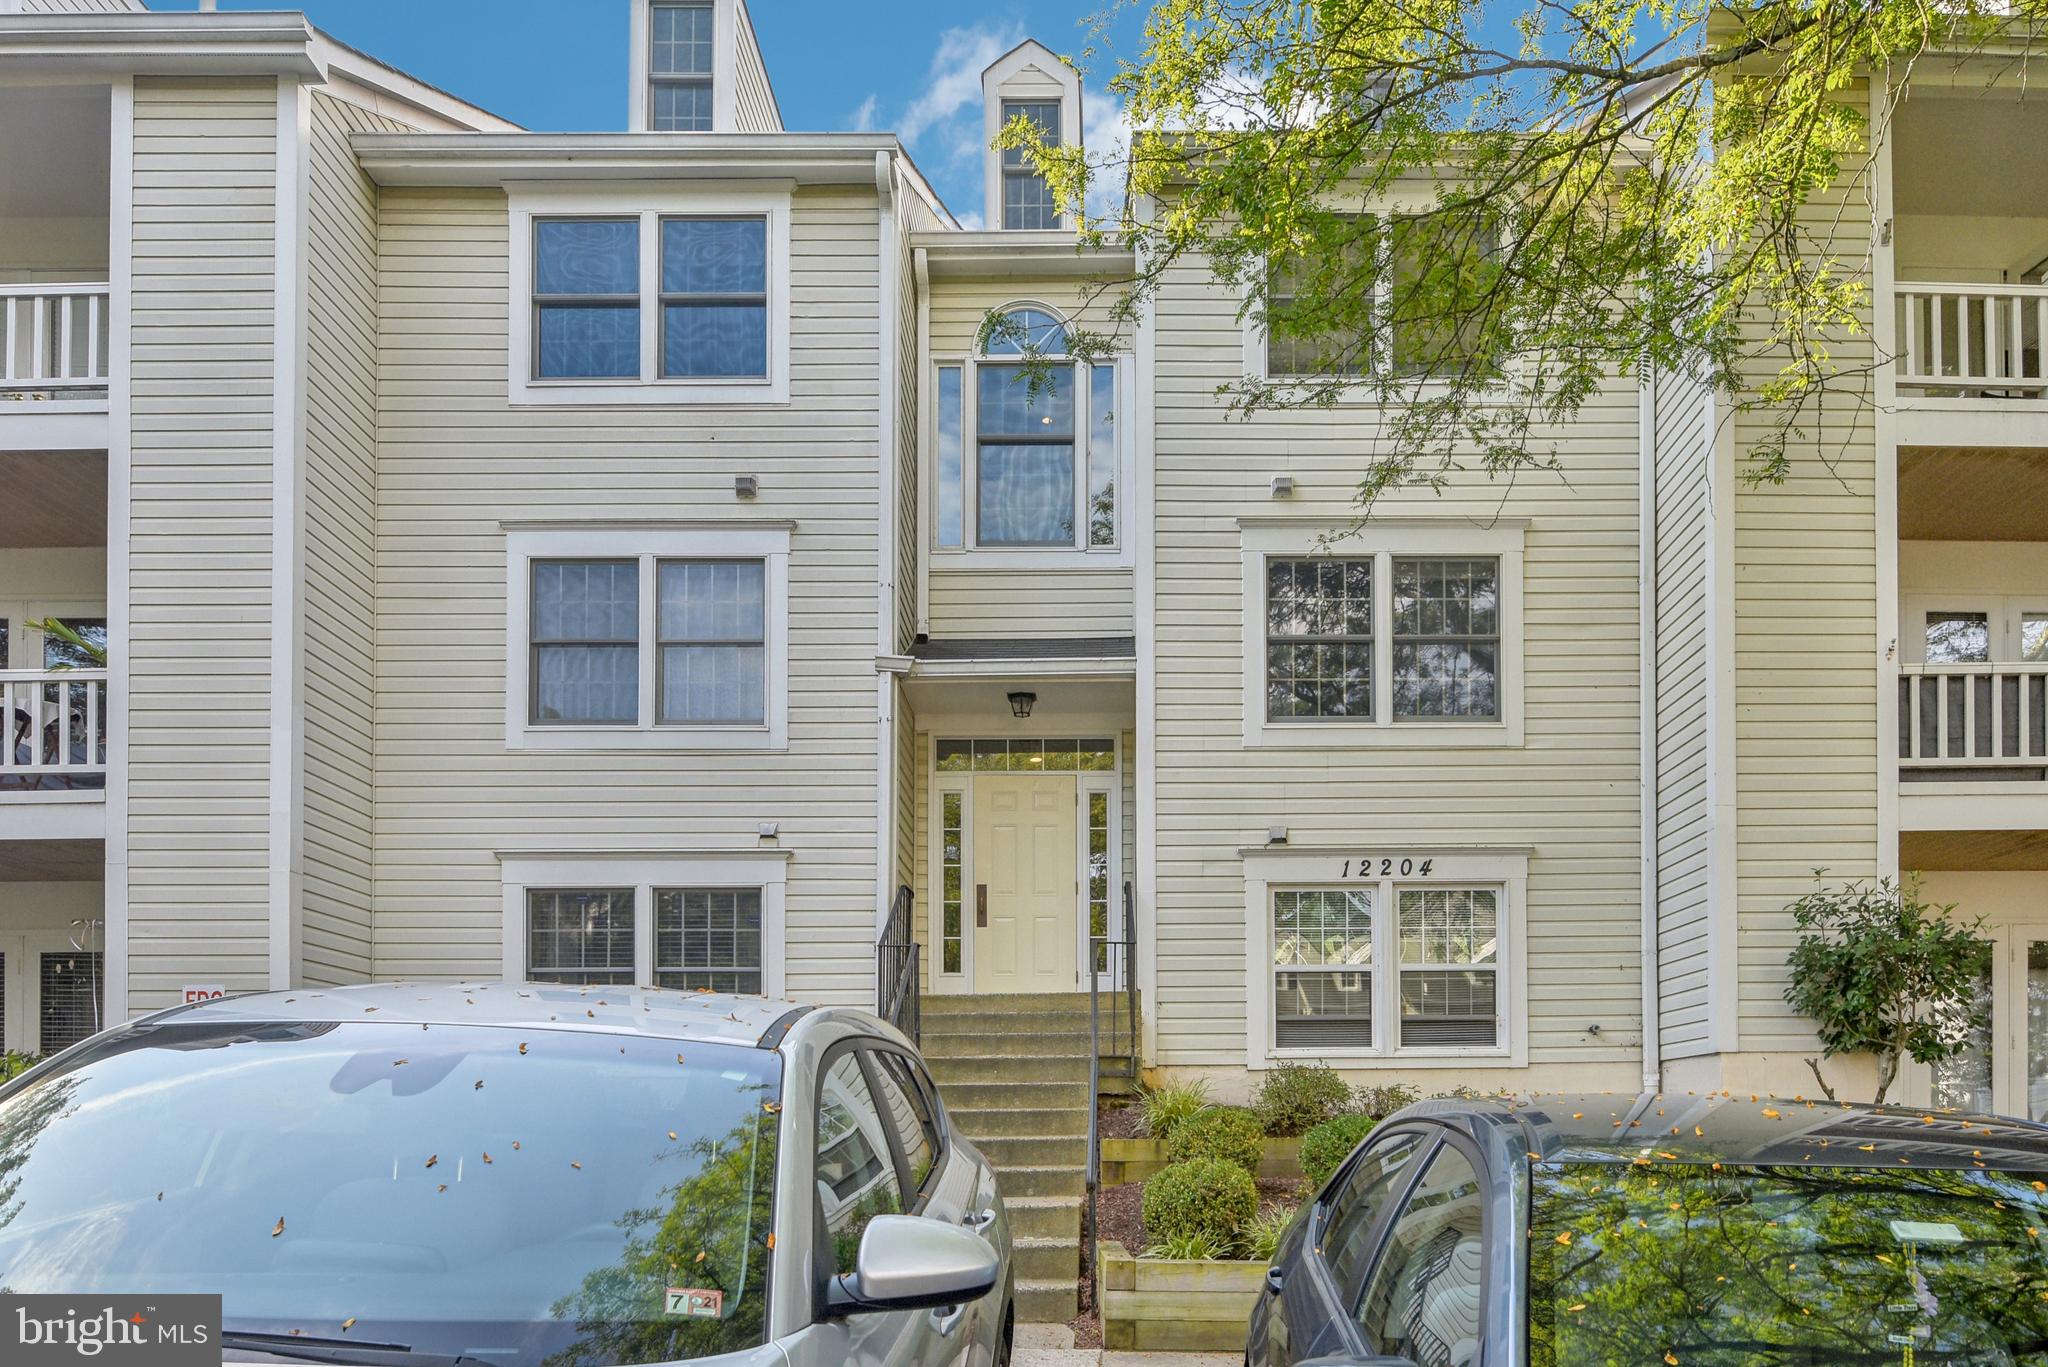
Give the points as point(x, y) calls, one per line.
point(1022, 703)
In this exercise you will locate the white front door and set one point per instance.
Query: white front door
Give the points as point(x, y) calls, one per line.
point(2006, 1068)
point(1026, 898)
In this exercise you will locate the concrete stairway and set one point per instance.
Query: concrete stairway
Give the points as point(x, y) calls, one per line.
point(1013, 1072)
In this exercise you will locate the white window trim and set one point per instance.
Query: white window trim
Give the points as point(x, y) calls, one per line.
point(650, 206)
point(643, 873)
point(767, 542)
point(1283, 868)
point(968, 556)
point(1381, 540)
point(1361, 391)
point(2006, 611)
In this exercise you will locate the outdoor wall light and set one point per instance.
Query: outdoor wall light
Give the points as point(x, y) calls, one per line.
point(1276, 835)
point(1283, 486)
point(745, 486)
point(769, 830)
point(1022, 703)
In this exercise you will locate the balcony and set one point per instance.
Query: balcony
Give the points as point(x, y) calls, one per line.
point(1972, 342)
point(1980, 722)
point(56, 729)
point(53, 344)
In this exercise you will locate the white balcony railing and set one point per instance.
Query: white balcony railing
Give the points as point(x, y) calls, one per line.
point(52, 338)
point(1972, 341)
point(1973, 716)
point(56, 728)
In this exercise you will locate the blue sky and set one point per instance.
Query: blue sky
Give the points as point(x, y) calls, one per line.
point(906, 66)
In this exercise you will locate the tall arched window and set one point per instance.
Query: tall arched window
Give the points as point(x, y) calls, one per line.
point(1027, 455)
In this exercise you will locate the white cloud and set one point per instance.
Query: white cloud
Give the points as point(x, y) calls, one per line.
point(954, 84)
point(862, 119)
point(1106, 134)
point(970, 219)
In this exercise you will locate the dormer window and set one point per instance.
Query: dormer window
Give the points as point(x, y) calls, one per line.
point(1027, 199)
point(680, 63)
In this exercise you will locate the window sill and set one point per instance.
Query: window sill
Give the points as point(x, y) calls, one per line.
point(667, 739)
point(1265, 735)
point(1360, 1059)
point(1056, 558)
point(632, 393)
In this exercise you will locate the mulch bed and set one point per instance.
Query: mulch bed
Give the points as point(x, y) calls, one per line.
point(1115, 1120)
point(1087, 1330)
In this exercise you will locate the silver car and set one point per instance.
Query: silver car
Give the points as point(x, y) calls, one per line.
point(513, 1175)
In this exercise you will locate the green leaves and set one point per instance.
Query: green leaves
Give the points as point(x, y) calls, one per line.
point(1587, 189)
point(1881, 972)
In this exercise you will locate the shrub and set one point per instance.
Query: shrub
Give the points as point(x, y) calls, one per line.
point(1166, 1108)
point(1330, 1143)
point(1222, 1132)
point(13, 1064)
point(1296, 1097)
point(1381, 1102)
point(1204, 1197)
point(1188, 1248)
point(1261, 1238)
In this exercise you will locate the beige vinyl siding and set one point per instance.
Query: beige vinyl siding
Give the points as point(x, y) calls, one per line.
point(1683, 442)
point(340, 490)
point(1570, 793)
point(457, 461)
point(754, 108)
point(1805, 579)
point(199, 567)
point(966, 601)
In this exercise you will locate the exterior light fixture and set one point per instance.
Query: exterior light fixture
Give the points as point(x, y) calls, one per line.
point(1022, 703)
point(1276, 835)
point(745, 486)
point(1283, 486)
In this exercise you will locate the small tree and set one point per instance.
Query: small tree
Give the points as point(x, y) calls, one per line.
point(1882, 972)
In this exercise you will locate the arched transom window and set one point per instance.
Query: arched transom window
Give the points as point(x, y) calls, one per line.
point(1027, 454)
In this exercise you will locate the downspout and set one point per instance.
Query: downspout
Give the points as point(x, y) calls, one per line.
point(1647, 709)
point(885, 538)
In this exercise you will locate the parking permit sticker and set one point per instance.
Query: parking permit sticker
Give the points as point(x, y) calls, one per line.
point(1925, 1232)
point(689, 1303)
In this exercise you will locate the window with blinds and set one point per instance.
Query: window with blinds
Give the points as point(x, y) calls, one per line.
point(1450, 967)
point(1322, 968)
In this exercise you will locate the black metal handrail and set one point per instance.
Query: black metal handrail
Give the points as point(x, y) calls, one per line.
point(896, 982)
point(1111, 958)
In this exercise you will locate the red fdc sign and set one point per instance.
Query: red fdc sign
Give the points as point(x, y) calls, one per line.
point(203, 992)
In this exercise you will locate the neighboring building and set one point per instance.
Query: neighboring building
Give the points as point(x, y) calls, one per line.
point(629, 557)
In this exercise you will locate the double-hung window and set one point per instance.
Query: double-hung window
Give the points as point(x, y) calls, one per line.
point(710, 924)
point(1368, 644)
point(1028, 455)
point(619, 302)
point(680, 59)
point(684, 642)
point(1390, 953)
point(1430, 278)
point(1027, 200)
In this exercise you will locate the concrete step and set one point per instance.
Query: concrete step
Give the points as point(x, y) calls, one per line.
point(1053, 1302)
point(998, 1043)
point(1058, 1021)
point(1043, 1217)
point(979, 1125)
point(1006, 1068)
point(1035, 1151)
point(1047, 1260)
point(952, 1004)
point(983, 1096)
point(1069, 1182)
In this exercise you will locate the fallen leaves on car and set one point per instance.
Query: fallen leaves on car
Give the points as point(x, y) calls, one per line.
point(280, 1227)
point(433, 1160)
point(348, 1324)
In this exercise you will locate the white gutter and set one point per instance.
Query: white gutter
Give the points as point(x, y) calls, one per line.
point(1646, 707)
point(920, 262)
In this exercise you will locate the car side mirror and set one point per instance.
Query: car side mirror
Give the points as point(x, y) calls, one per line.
point(907, 1262)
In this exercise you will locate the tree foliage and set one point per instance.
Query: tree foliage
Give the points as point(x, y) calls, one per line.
point(1882, 972)
point(1478, 214)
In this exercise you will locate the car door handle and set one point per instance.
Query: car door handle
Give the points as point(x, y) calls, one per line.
point(1275, 1279)
point(947, 1318)
point(979, 1220)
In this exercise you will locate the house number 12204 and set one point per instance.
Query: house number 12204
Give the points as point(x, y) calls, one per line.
point(1388, 868)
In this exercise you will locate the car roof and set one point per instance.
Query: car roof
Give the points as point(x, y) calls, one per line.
point(652, 1013)
point(1726, 1127)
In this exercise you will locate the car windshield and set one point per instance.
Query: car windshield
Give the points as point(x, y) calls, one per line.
point(543, 1196)
point(1705, 1266)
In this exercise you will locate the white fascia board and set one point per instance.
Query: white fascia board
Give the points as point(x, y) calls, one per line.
point(509, 158)
point(229, 44)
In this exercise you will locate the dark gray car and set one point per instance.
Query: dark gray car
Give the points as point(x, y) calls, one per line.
point(1687, 1231)
point(512, 1175)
